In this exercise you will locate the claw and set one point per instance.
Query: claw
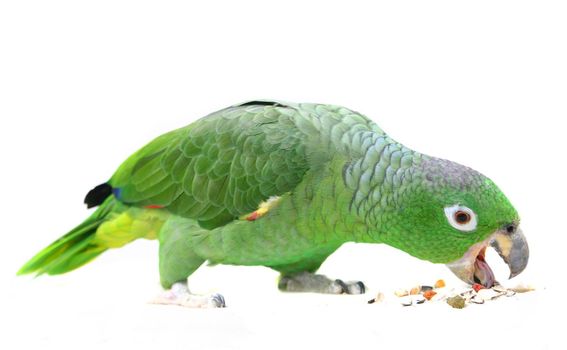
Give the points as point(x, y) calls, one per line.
point(355, 287)
point(351, 287)
point(342, 285)
point(217, 300)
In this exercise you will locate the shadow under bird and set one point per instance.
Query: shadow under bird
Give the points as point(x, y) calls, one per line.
point(284, 185)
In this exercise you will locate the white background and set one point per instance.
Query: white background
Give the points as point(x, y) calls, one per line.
point(84, 84)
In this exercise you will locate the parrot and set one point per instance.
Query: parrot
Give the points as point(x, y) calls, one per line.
point(284, 185)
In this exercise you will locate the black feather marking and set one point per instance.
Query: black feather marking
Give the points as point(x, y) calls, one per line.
point(345, 169)
point(262, 103)
point(97, 195)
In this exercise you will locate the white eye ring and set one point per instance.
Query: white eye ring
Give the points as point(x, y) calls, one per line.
point(461, 217)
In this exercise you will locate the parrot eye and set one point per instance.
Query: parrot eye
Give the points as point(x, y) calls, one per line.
point(461, 217)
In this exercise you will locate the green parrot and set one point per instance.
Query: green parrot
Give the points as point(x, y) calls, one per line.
point(284, 185)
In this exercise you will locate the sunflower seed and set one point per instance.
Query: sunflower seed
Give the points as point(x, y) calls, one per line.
point(477, 300)
point(406, 301)
point(378, 299)
point(500, 289)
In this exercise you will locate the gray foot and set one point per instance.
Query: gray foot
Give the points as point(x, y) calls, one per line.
point(312, 283)
point(180, 295)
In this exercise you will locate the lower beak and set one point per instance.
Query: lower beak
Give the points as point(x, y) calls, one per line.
point(510, 244)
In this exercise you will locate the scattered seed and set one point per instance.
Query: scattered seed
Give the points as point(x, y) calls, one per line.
point(429, 294)
point(406, 301)
point(459, 297)
point(401, 292)
point(499, 288)
point(439, 284)
point(467, 294)
point(378, 299)
point(457, 302)
point(477, 300)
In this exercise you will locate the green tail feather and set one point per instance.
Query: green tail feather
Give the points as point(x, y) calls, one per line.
point(72, 250)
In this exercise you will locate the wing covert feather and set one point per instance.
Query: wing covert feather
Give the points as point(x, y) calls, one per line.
point(219, 167)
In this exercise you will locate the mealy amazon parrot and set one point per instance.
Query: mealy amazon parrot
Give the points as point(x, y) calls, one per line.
point(284, 185)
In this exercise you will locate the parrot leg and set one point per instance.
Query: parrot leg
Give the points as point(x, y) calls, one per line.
point(313, 283)
point(177, 261)
point(179, 294)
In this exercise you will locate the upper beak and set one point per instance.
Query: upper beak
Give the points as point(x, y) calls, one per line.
point(512, 247)
point(509, 242)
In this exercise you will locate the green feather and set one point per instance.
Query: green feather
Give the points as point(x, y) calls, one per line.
point(72, 250)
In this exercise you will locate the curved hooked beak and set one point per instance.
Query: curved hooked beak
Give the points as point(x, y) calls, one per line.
point(509, 242)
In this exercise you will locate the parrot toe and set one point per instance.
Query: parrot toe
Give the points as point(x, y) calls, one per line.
point(351, 287)
point(313, 283)
point(356, 287)
point(179, 295)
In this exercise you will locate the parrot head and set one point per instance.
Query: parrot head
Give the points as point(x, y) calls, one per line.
point(450, 214)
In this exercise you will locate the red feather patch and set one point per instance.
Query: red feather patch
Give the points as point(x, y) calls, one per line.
point(253, 216)
point(153, 206)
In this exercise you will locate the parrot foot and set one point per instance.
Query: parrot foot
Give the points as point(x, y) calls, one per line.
point(179, 294)
point(312, 283)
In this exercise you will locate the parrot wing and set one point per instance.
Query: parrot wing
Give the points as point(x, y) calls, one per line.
point(219, 167)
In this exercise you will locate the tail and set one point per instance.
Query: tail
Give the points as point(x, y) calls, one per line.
point(72, 250)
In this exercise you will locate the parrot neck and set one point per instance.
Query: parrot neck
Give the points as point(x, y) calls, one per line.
point(377, 178)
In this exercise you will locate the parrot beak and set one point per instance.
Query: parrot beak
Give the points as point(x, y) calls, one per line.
point(513, 249)
point(509, 242)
